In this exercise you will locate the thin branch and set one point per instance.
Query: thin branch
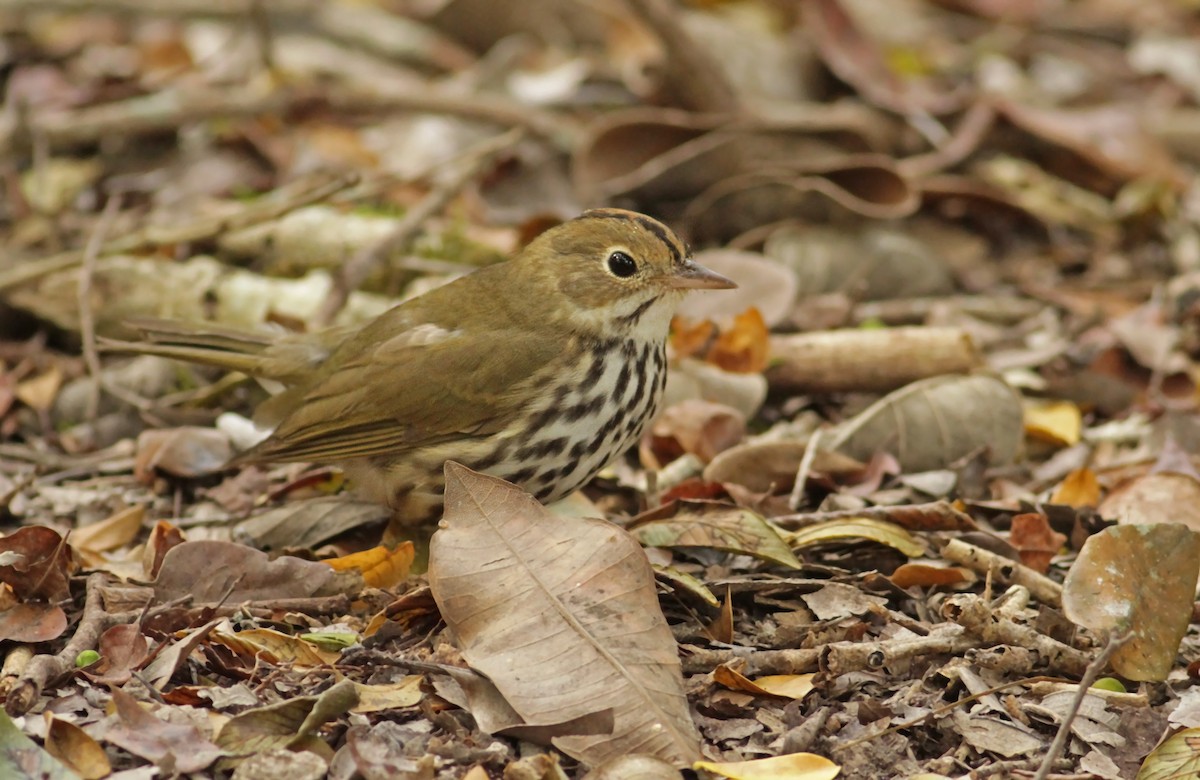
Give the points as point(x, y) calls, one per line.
point(87, 314)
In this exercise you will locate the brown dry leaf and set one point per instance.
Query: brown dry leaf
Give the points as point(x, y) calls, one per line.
point(380, 567)
point(163, 538)
point(1161, 497)
point(1140, 579)
point(32, 622)
point(142, 733)
point(719, 527)
point(932, 423)
point(122, 649)
point(286, 723)
point(1079, 489)
point(720, 628)
point(794, 766)
point(166, 662)
point(1056, 422)
point(71, 745)
point(182, 452)
point(908, 575)
point(1035, 540)
point(578, 598)
point(37, 563)
point(213, 571)
point(699, 427)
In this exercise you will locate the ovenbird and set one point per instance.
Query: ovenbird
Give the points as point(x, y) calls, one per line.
point(540, 370)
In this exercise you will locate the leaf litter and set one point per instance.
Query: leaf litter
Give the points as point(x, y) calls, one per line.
point(932, 466)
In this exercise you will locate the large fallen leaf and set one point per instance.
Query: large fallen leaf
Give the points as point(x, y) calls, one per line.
point(1177, 757)
point(859, 528)
point(36, 562)
point(1140, 579)
point(144, 734)
point(1158, 497)
point(561, 615)
point(930, 424)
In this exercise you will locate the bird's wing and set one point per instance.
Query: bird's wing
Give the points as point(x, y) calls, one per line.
point(424, 385)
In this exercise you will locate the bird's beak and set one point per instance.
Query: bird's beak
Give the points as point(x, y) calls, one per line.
point(693, 276)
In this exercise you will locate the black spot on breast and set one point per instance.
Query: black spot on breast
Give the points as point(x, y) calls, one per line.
point(542, 449)
point(583, 409)
point(623, 378)
point(596, 369)
point(579, 449)
point(522, 476)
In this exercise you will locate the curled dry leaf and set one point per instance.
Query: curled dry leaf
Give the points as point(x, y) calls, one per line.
point(561, 615)
point(690, 378)
point(37, 564)
point(762, 465)
point(1139, 579)
point(697, 427)
point(213, 571)
point(635, 767)
point(144, 734)
point(1056, 422)
point(933, 423)
point(286, 723)
point(75, 748)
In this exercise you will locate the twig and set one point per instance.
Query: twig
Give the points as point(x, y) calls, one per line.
point(87, 314)
point(282, 201)
point(358, 268)
point(1089, 676)
point(802, 471)
point(1005, 570)
point(46, 669)
point(170, 108)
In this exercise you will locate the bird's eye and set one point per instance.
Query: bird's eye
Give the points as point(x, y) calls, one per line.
point(622, 265)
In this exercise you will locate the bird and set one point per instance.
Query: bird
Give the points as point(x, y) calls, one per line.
point(540, 370)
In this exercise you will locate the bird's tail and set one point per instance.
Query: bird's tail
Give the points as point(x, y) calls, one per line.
point(205, 343)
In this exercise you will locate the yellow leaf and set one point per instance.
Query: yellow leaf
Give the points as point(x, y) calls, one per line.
point(376, 698)
point(379, 566)
point(873, 530)
point(1078, 489)
point(1057, 422)
point(794, 766)
point(112, 532)
point(274, 646)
